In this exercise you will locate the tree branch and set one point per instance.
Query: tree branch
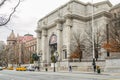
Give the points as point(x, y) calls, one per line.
point(9, 18)
point(2, 3)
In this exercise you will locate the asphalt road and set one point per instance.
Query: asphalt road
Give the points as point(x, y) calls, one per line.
point(27, 75)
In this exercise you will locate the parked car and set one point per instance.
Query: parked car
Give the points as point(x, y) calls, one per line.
point(4, 67)
point(10, 68)
point(21, 69)
point(1, 68)
point(30, 68)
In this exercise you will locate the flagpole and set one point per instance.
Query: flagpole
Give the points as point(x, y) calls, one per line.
point(93, 38)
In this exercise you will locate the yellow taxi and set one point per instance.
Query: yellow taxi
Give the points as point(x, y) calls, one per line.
point(21, 69)
point(10, 68)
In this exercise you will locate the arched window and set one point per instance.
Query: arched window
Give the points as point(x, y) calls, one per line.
point(53, 39)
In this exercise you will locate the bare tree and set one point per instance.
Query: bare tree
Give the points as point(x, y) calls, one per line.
point(9, 52)
point(77, 46)
point(4, 20)
point(2, 2)
point(99, 38)
point(114, 34)
point(4, 57)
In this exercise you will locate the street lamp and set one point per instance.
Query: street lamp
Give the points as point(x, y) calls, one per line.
point(93, 38)
point(39, 55)
point(55, 56)
point(107, 35)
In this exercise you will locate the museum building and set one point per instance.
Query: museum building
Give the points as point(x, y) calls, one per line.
point(55, 31)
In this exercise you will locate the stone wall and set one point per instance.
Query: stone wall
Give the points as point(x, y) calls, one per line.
point(82, 66)
point(112, 65)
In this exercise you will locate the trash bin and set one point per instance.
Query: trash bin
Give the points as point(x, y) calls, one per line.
point(46, 69)
point(98, 70)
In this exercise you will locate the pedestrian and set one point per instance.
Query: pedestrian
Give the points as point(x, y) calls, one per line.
point(35, 67)
point(70, 68)
point(38, 68)
point(94, 66)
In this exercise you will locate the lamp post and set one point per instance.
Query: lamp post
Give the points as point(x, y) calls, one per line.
point(107, 35)
point(39, 55)
point(93, 38)
point(68, 63)
point(55, 60)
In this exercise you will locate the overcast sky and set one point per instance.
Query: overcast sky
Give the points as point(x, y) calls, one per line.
point(29, 12)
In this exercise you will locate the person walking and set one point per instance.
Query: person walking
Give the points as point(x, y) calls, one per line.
point(38, 68)
point(70, 68)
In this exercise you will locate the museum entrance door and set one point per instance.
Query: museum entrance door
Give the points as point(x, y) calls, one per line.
point(53, 44)
point(53, 49)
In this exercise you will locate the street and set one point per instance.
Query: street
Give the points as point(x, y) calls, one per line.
point(27, 75)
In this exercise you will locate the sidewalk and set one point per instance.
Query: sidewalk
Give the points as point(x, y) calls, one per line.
point(83, 72)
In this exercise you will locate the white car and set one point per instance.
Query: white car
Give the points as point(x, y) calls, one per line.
point(1, 68)
point(30, 68)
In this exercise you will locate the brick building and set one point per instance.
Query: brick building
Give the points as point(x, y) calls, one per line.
point(21, 48)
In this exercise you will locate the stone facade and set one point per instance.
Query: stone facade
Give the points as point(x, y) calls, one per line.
point(55, 30)
point(112, 63)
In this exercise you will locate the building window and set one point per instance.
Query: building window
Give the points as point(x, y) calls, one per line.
point(64, 54)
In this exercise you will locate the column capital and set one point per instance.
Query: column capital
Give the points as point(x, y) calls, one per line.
point(59, 26)
point(44, 27)
point(39, 35)
point(44, 32)
point(69, 22)
point(38, 30)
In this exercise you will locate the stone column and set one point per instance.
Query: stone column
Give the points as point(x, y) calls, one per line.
point(43, 46)
point(68, 34)
point(38, 42)
point(59, 37)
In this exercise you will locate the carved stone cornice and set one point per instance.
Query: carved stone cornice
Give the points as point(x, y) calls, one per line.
point(74, 16)
point(115, 7)
point(87, 18)
point(59, 20)
point(68, 15)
